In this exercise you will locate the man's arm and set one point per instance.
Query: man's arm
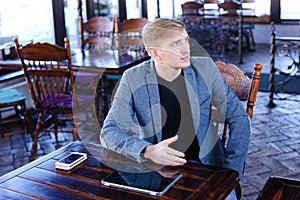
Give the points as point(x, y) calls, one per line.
point(120, 131)
point(238, 122)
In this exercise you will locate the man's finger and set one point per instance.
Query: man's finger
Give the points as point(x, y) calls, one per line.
point(174, 152)
point(170, 140)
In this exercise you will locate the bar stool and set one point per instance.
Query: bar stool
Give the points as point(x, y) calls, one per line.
point(11, 99)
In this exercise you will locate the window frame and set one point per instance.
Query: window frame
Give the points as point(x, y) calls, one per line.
point(275, 14)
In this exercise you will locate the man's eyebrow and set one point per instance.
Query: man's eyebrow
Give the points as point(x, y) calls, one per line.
point(175, 41)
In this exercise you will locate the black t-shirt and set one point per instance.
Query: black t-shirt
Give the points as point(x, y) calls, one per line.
point(177, 116)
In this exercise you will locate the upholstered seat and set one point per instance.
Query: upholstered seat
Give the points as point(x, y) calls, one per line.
point(13, 100)
point(237, 80)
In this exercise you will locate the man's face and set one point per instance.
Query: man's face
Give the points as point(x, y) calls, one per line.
point(174, 50)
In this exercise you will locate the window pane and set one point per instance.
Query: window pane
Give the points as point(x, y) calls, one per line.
point(168, 8)
point(152, 9)
point(72, 21)
point(133, 9)
point(177, 7)
point(262, 7)
point(105, 7)
point(27, 19)
point(289, 10)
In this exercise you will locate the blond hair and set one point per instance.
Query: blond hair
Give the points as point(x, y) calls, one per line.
point(158, 29)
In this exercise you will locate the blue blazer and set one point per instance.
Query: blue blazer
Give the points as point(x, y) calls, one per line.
point(134, 120)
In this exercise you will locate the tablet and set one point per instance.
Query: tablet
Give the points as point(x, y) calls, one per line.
point(147, 182)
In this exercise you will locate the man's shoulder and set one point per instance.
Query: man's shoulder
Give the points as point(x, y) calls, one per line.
point(141, 68)
point(201, 61)
point(204, 65)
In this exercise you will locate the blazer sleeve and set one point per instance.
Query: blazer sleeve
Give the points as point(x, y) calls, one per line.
point(119, 132)
point(237, 119)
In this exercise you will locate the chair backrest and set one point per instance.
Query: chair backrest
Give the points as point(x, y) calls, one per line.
point(98, 31)
point(128, 34)
point(130, 25)
point(229, 8)
point(48, 71)
point(210, 7)
point(247, 1)
point(246, 89)
point(191, 8)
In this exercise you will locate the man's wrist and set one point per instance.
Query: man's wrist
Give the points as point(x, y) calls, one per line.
point(147, 150)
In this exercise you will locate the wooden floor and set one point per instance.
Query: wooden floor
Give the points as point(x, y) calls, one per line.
point(274, 148)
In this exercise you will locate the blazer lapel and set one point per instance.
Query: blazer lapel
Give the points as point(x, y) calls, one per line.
point(191, 86)
point(151, 81)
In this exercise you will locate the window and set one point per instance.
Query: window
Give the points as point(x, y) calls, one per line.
point(285, 11)
point(33, 19)
point(72, 21)
point(27, 19)
point(289, 10)
point(133, 9)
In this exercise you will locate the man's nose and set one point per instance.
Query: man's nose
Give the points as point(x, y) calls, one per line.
point(185, 48)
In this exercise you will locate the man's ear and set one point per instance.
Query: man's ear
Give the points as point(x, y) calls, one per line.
point(153, 53)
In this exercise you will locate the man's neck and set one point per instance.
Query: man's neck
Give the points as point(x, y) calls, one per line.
point(167, 73)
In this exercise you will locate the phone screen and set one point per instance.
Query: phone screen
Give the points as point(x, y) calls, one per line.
point(71, 158)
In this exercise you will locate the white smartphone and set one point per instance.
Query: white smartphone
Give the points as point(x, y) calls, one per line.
point(70, 161)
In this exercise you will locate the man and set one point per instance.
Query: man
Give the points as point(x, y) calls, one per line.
point(162, 108)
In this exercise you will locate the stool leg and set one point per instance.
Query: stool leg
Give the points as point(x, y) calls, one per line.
point(36, 136)
point(55, 123)
point(74, 129)
point(27, 120)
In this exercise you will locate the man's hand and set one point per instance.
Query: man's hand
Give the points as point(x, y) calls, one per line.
point(162, 154)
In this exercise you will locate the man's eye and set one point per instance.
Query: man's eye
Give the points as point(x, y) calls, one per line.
point(174, 44)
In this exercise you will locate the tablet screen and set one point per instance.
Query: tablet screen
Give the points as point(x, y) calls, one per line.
point(147, 182)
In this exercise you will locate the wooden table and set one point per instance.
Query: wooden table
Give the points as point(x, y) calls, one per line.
point(98, 64)
point(39, 179)
point(280, 188)
point(95, 64)
point(97, 60)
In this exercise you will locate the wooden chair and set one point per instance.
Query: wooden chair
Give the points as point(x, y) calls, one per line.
point(98, 31)
point(233, 10)
point(130, 25)
point(49, 74)
point(128, 40)
point(248, 23)
point(210, 7)
point(246, 89)
point(128, 34)
point(191, 11)
point(230, 8)
point(13, 100)
point(192, 8)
